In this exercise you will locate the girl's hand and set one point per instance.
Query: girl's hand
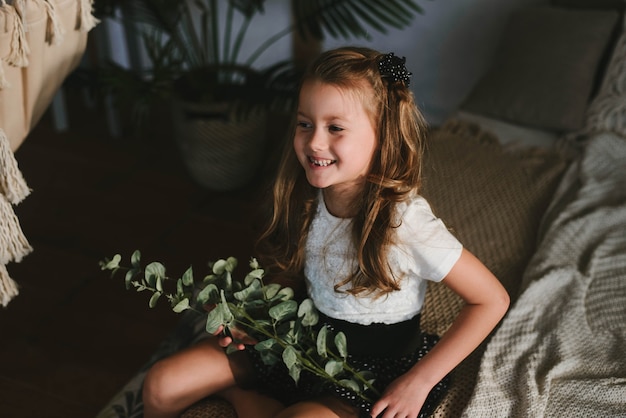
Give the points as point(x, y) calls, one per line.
point(404, 397)
point(233, 337)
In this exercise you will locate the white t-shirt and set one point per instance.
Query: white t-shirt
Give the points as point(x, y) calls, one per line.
point(426, 250)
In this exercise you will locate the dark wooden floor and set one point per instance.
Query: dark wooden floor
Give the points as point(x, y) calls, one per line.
point(74, 336)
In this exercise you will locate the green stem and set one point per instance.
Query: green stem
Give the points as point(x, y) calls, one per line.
point(355, 373)
point(305, 361)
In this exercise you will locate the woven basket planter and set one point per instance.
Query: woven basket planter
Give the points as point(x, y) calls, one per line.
point(220, 153)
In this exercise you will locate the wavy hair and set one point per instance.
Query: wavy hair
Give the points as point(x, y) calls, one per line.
point(395, 175)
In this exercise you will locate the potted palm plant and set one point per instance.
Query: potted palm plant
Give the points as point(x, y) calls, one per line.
point(219, 97)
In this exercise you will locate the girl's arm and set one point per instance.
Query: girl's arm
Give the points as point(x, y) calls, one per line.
point(486, 303)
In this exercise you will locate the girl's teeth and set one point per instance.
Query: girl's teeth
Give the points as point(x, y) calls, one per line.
point(321, 163)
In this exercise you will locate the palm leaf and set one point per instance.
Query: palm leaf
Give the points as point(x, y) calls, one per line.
point(344, 18)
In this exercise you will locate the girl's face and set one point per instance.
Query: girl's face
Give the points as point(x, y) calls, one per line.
point(334, 139)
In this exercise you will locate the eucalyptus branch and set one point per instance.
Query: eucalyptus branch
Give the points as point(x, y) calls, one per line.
point(306, 360)
point(286, 331)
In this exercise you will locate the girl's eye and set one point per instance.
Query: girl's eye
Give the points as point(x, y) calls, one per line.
point(334, 128)
point(304, 125)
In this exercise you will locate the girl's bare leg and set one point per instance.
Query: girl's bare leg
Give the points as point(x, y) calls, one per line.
point(251, 404)
point(178, 381)
point(322, 408)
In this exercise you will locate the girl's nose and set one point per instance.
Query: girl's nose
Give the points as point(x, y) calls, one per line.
point(317, 141)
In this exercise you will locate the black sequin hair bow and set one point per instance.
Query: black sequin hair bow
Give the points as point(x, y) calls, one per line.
point(393, 68)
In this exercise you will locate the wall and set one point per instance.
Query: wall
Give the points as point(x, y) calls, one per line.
point(447, 48)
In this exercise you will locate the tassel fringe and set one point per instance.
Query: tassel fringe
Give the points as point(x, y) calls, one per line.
point(18, 54)
point(8, 287)
point(12, 183)
point(13, 243)
point(54, 30)
point(19, 50)
point(85, 20)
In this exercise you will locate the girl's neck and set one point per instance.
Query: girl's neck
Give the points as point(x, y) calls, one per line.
point(341, 203)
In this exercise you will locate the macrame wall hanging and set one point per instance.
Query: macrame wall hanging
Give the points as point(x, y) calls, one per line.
point(41, 42)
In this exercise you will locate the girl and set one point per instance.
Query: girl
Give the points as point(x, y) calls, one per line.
point(348, 220)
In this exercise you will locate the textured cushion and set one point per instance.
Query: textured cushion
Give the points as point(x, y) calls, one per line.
point(211, 407)
point(544, 70)
point(493, 201)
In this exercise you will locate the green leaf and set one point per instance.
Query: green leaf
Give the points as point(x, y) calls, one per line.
point(152, 271)
point(135, 259)
point(321, 341)
point(210, 294)
point(292, 336)
point(294, 372)
point(249, 292)
point(308, 313)
point(333, 367)
point(188, 277)
point(367, 375)
point(265, 345)
point(211, 278)
point(227, 281)
point(159, 283)
point(286, 293)
point(219, 266)
point(227, 315)
point(180, 290)
point(283, 310)
point(290, 356)
point(254, 274)
point(214, 320)
point(231, 264)
point(130, 275)
point(350, 384)
point(181, 306)
point(342, 344)
point(271, 290)
point(254, 264)
point(153, 300)
point(111, 264)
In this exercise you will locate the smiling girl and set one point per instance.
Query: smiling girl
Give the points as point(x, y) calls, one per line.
point(349, 223)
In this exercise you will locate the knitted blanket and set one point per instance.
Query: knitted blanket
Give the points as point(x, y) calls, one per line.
point(560, 350)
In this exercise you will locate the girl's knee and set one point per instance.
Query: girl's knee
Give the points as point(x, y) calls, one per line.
point(174, 383)
point(157, 391)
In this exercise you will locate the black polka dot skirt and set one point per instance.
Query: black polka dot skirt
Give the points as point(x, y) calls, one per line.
point(385, 364)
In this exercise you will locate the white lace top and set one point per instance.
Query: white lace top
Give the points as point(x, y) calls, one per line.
point(426, 251)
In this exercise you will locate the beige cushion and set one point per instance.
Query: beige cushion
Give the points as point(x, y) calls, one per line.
point(32, 84)
point(493, 201)
point(545, 67)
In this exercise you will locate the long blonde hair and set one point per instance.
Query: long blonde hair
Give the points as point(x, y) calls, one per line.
point(395, 174)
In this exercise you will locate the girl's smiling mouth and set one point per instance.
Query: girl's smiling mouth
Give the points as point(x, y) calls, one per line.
point(321, 162)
